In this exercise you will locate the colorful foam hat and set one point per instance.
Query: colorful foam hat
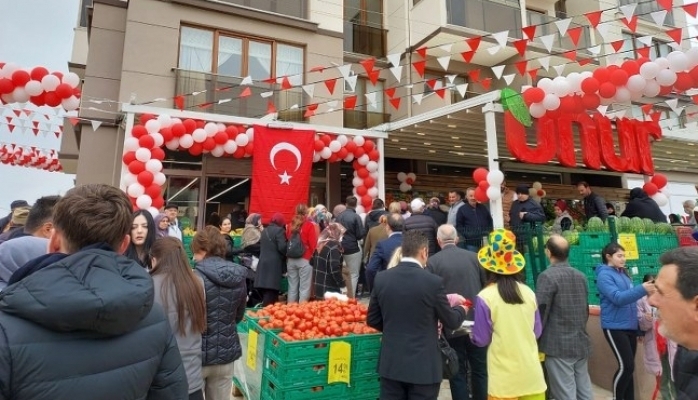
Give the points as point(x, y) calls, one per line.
point(500, 255)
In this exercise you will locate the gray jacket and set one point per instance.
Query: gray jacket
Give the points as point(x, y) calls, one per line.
point(190, 344)
point(15, 253)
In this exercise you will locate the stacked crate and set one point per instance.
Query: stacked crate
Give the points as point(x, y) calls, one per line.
point(586, 256)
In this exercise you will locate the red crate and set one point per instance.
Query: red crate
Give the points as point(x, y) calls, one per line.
point(685, 236)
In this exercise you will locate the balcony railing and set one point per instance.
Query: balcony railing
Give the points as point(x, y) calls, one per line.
point(364, 39)
point(292, 8)
point(491, 16)
point(220, 87)
point(359, 119)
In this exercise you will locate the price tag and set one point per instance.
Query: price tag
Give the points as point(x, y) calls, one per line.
point(629, 243)
point(339, 363)
point(252, 349)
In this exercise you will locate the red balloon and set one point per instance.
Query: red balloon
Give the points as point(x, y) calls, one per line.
point(619, 77)
point(6, 86)
point(52, 99)
point(351, 146)
point(153, 191)
point(481, 195)
point(326, 139)
point(145, 178)
point(693, 72)
point(146, 141)
point(157, 153)
point(374, 155)
point(64, 90)
point(189, 125)
point(665, 90)
point(683, 81)
point(568, 104)
point(607, 90)
point(591, 101)
point(333, 158)
point(249, 148)
point(77, 93)
point(650, 188)
point(602, 74)
point(319, 145)
point(200, 124)
point(167, 134)
point(359, 152)
point(139, 131)
point(660, 180)
point(590, 85)
point(239, 153)
point(361, 190)
point(145, 118)
point(128, 157)
point(21, 77)
point(38, 73)
point(409, 181)
point(480, 175)
point(356, 165)
point(369, 145)
point(484, 185)
point(39, 100)
point(342, 153)
point(209, 144)
point(232, 131)
point(540, 192)
point(220, 137)
point(158, 202)
point(136, 167)
point(196, 149)
point(367, 201)
point(631, 67)
point(57, 74)
point(362, 173)
point(534, 95)
point(369, 182)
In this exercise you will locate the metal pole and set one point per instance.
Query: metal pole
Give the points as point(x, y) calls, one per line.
point(493, 155)
point(130, 118)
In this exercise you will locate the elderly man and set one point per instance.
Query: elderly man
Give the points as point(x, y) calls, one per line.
point(421, 222)
point(562, 293)
point(676, 299)
point(689, 207)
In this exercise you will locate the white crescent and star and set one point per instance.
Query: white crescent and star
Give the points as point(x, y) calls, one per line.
point(285, 177)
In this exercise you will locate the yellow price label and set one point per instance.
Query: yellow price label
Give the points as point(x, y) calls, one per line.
point(629, 243)
point(541, 356)
point(339, 363)
point(252, 349)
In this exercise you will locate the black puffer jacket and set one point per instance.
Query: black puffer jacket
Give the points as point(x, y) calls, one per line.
point(686, 374)
point(85, 327)
point(427, 225)
point(642, 206)
point(373, 219)
point(226, 295)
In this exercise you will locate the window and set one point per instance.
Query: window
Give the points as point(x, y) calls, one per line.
point(366, 114)
point(84, 5)
point(455, 95)
point(645, 9)
point(631, 44)
point(239, 56)
point(364, 12)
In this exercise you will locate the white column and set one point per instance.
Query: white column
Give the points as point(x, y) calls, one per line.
point(493, 155)
point(380, 142)
point(130, 117)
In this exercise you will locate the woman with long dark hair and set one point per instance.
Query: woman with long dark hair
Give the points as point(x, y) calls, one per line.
point(142, 238)
point(225, 228)
point(619, 315)
point(226, 295)
point(299, 270)
point(271, 260)
point(181, 293)
point(507, 320)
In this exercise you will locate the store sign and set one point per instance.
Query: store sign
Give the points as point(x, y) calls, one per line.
point(597, 136)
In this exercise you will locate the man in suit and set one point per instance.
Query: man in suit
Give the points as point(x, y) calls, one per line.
point(407, 303)
point(462, 274)
point(385, 248)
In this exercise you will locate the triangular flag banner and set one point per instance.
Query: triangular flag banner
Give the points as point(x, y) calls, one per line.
point(368, 64)
point(631, 23)
point(486, 83)
point(501, 37)
point(373, 76)
point(95, 125)
point(521, 46)
point(676, 34)
point(371, 97)
point(73, 121)
point(310, 110)
point(529, 32)
point(533, 73)
point(563, 25)
point(594, 17)
point(319, 68)
point(547, 41)
point(672, 103)
point(655, 116)
point(521, 67)
point(444, 61)
point(571, 55)
point(350, 102)
point(544, 62)
point(602, 110)
point(474, 75)
point(394, 59)
point(498, 70)
point(602, 29)
point(246, 81)
point(473, 43)
point(658, 17)
point(431, 83)
point(646, 108)
point(309, 90)
point(643, 52)
point(462, 89)
point(646, 40)
point(395, 103)
point(617, 45)
point(695, 98)
point(268, 80)
point(451, 78)
point(447, 47)
point(494, 50)
point(467, 56)
point(271, 108)
point(417, 98)
point(351, 81)
point(390, 92)
point(584, 61)
point(574, 35)
point(628, 10)
point(509, 78)
point(11, 127)
point(691, 9)
point(441, 92)
point(397, 72)
point(559, 69)
point(266, 95)
point(422, 51)
point(666, 4)
point(595, 50)
point(179, 102)
point(246, 92)
point(419, 66)
point(345, 70)
point(330, 84)
point(285, 83)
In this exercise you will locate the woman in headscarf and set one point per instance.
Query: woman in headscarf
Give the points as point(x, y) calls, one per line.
point(162, 224)
point(271, 260)
point(251, 234)
point(563, 219)
point(321, 216)
point(327, 261)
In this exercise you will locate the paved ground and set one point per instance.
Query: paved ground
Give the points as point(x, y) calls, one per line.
point(599, 394)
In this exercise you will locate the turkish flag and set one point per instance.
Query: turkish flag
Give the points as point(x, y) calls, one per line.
point(282, 160)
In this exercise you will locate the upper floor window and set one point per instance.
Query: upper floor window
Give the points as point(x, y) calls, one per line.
point(645, 9)
point(292, 8)
point(223, 53)
point(631, 44)
point(84, 5)
point(364, 12)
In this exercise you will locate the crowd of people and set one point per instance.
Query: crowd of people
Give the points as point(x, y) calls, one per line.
point(118, 310)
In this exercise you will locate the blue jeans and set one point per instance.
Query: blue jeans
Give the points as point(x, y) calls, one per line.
point(476, 358)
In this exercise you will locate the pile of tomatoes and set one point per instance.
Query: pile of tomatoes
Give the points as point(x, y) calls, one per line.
point(314, 320)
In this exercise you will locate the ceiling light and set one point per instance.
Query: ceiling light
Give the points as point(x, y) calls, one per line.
point(455, 137)
point(668, 152)
point(403, 148)
point(395, 140)
point(421, 133)
point(427, 144)
point(457, 146)
point(452, 126)
point(433, 151)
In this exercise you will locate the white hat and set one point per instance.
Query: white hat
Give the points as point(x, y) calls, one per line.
point(417, 204)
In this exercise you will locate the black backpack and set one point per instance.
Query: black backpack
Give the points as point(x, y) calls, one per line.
point(295, 247)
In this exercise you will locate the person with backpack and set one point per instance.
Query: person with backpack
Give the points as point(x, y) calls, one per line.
point(302, 237)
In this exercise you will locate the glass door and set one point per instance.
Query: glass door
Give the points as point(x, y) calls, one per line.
point(227, 197)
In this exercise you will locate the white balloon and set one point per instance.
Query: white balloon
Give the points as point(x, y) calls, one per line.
point(649, 70)
point(692, 55)
point(401, 176)
point(159, 179)
point(636, 83)
point(353, 192)
point(412, 176)
point(360, 209)
point(342, 139)
point(335, 146)
point(129, 179)
point(537, 185)
point(495, 177)
point(143, 154)
point(551, 102)
point(356, 182)
point(622, 95)
point(585, 74)
point(372, 166)
point(135, 189)
point(176, 121)
point(71, 103)
point(405, 187)
point(316, 157)
point(373, 175)
point(678, 61)
point(546, 84)
point(662, 62)
point(230, 147)
point(72, 79)
point(373, 192)
point(606, 101)
point(199, 135)
point(561, 87)
point(575, 81)
point(666, 77)
point(153, 165)
point(651, 89)
point(131, 144)
point(20, 95)
point(9, 68)
point(159, 140)
point(186, 141)
point(537, 110)
point(326, 153)
point(33, 88)
point(152, 126)
point(250, 133)
point(349, 157)
point(242, 140)
point(661, 199)
point(494, 193)
point(211, 129)
point(144, 201)
point(173, 144)
point(153, 211)
point(164, 120)
point(363, 160)
point(218, 151)
point(636, 96)
point(221, 126)
point(49, 82)
point(359, 140)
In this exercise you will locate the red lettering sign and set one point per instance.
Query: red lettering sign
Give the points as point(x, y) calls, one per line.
point(555, 138)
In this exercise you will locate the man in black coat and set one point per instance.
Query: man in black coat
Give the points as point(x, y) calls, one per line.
point(462, 274)
point(642, 206)
point(524, 213)
point(594, 205)
point(80, 323)
point(423, 223)
point(373, 217)
point(473, 222)
point(434, 211)
point(407, 302)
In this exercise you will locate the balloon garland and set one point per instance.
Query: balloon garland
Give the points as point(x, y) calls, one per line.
point(39, 87)
point(654, 187)
point(406, 181)
point(30, 157)
point(536, 192)
point(143, 155)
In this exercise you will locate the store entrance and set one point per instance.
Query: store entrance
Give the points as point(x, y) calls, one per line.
point(227, 196)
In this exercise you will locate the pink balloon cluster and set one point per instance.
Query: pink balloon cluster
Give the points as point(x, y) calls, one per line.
point(24, 156)
point(143, 154)
point(39, 87)
point(630, 81)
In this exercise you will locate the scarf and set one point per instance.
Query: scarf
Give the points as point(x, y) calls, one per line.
point(333, 232)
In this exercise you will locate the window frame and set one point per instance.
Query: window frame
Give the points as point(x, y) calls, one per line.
point(363, 12)
point(656, 45)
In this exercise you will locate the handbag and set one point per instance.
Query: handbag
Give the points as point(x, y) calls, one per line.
point(449, 358)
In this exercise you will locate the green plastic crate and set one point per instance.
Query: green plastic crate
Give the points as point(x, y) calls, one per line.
point(366, 345)
point(667, 242)
point(295, 374)
point(272, 390)
point(647, 243)
point(305, 351)
point(364, 367)
point(594, 241)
